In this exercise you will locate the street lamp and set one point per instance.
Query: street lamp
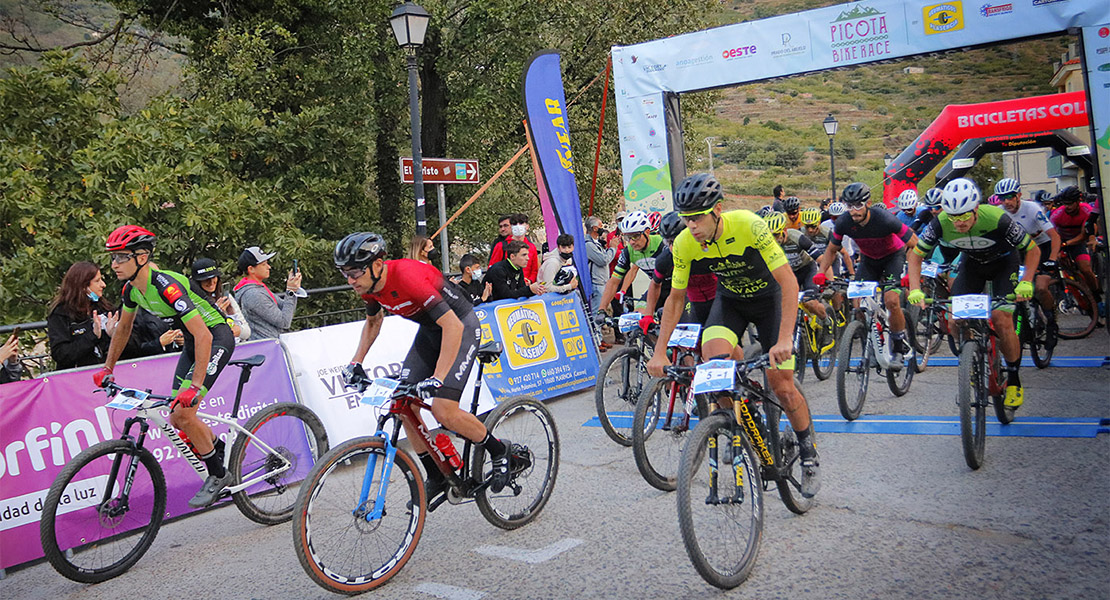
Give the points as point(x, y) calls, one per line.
point(830, 124)
point(410, 22)
point(709, 145)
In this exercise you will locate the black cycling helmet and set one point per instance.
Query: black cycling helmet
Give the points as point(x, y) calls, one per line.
point(791, 204)
point(855, 192)
point(697, 193)
point(671, 225)
point(359, 249)
point(1068, 195)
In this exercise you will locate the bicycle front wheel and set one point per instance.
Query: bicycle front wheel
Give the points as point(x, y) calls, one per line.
point(788, 452)
point(972, 397)
point(853, 370)
point(90, 531)
point(720, 502)
point(534, 462)
point(1043, 341)
point(622, 379)
point(657, 450)
point(344, 544)
point(1077, 311)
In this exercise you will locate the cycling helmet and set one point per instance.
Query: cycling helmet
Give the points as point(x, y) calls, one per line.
point(359, 249)
point(1068, 195)
point(907, 200)
point(764, 210)
point(636, 222)
point(671, 225)
point(994, 200)
point(791, 204)
point(811, 216)
point(654, 217)
point(960, 196)
point(129, 237)
point(697, 193)
point(776, 222)
point(836, 209)
point(1005, 186)
point(932, 197)
point(855, 192)
point(1041, 197)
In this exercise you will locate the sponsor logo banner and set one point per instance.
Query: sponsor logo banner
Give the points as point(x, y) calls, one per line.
point(943, 18)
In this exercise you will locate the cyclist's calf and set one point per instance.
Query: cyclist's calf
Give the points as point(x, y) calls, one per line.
point(185, 419)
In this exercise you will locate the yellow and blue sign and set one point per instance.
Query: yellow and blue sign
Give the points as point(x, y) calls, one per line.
point(547, 349)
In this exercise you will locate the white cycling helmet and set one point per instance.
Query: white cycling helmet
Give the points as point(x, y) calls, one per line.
point(1008, 185)
point(960, 196)
point(933, 197)
point(636, 222)
point(907, 200)
point(837, 208)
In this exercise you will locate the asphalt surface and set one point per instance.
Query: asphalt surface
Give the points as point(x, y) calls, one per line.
point(900, 516)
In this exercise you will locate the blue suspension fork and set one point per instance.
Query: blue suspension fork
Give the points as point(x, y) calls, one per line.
point(368, 477)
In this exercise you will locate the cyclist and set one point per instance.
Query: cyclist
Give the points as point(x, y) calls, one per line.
point(442, 353)
point(701, 289)
point(883, 242)
point(208, 342)
point(843, 262)
point(796, 246)
point(1070, 218)
point(1033, 220)
point(792, 206)
point(989, 240)
point(908, 207)
point(641, 249)
point(754, 285)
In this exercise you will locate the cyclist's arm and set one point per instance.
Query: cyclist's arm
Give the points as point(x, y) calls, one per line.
point(1032, 259)
point(654, 289)
point(913, 271)
point(826, 259)
point(202, 347)
point(848, 264)
point(788, 284)
point(119, 340)
point(1054, 244)
point(611, 288)
point(628, 277)
point(370, 330)
point(449, 344)
point(672, 312)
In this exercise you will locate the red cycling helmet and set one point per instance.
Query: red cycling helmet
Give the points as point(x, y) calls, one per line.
point(654, 219)
point(129, 237)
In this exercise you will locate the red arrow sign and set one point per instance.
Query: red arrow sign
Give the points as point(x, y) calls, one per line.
point(442, 170)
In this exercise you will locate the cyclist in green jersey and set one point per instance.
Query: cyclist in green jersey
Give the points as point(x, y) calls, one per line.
point(754, 285)
point(641, 248)
point(208, 342)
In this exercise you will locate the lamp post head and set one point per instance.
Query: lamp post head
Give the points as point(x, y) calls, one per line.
point(409, 22)
point(830, 124)
point(888, 159)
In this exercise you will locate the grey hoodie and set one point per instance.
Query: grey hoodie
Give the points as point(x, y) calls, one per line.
point(268, 315)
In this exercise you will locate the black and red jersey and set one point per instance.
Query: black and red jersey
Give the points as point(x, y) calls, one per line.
point(418, 292)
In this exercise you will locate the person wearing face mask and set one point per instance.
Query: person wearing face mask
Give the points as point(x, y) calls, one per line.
point(558, 272)
point(81, 321)
point(520, 234)
point(423, 249)
point(471, 280)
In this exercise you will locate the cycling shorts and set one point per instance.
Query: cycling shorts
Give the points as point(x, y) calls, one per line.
point(728, 319)
point(420, 363)
point(1046, 249)
point(1077, 253)
point(699, 311)
point(879, 269)
point(223, 345)
point(1001, 273)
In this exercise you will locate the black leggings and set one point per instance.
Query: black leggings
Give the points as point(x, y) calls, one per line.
point(223, 345)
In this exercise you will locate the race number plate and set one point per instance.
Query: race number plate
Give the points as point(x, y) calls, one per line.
point(685, 335)
point(862, 289)
point(971, 306)
point(128, 399)
point(380, 392)
point(628, 322)
point(714, 376)
point(929, 269)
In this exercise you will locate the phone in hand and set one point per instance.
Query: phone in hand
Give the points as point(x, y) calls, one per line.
point(225, 288)
point(296, 267)
point(16, 332)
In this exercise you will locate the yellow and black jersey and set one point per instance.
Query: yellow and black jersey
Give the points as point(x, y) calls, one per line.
point(742, 258)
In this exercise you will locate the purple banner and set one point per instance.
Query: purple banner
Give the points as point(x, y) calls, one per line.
point(46, 422)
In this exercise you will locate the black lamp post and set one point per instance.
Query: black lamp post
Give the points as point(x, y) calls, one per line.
point(410, 22)
point(830, 124)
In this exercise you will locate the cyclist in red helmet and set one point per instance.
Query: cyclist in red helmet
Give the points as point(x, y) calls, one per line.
point(208, 341)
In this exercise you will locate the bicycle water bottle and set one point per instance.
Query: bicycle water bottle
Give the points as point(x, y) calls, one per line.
point(443, 442)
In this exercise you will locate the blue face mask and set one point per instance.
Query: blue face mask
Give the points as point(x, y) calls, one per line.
point(93, 296)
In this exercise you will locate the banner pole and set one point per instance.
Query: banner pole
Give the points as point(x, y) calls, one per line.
point(600, 128)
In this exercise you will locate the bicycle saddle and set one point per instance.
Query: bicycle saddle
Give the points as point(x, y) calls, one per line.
point(250, 361)
point(489, 351)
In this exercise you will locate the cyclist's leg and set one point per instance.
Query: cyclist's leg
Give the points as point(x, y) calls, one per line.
point(766, 317)
point(1041, 282)
point(445, 406)
point(892, 265)
point(721, 336)
point(185, 419)
point(1003, 276)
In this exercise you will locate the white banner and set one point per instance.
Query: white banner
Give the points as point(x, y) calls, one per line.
point(1096, 47)
point(644, 154)
point(317, 356)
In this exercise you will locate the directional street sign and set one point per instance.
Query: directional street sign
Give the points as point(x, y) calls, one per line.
point(442, 170)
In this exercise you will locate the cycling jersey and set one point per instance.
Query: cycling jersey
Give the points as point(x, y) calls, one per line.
point(170, 294)
point(661, 274)
point(882, 235)
point(1033, 220)
point(742, 257)
point(644, 259)
point(418, 292)
point(993, 236)
point(701, 288)
point(794, 222)
point(796, 246)
point(1070, 226)
point(820, 240)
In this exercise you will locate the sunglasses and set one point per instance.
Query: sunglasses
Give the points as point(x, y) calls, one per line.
point(628, 237)
point(960, 218)
point(855, 205)
point(121, 257)
point(352, 273)
point(1007, 196)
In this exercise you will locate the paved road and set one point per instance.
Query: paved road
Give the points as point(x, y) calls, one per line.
point(900, 516)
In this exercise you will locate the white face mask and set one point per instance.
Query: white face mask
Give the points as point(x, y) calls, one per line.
point(519, 230)
point(476, 274)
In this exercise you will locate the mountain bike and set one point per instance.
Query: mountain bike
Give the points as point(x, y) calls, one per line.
point(623, 377)
point(106, 506)
point(812, 343)
point(361, 511)
point(1034, 330)
point(730, 459)
point(865, 345)
point(930, 324)
point(1076, 308)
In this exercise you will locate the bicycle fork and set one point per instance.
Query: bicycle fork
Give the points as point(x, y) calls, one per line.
point(376, 512)
point(132, 467)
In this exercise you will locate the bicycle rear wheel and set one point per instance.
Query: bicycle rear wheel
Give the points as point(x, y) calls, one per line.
point(1042, 342)
point(824, 361)
point(623, 378)
point(852, 379)
point(801, 349)
point(787, 451)
point(720, 512)
point(657, 449)
point(972, 397)
point(534, 464)
point(339, 545)
point(295, 434)
point(84, 512)
point(1076, 309)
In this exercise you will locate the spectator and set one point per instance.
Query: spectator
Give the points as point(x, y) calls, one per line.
point(207, 277)
point(81, 321)
point(423, 249)
point(151, 334)
point(268, 315)
point(10, 367)
point(776, 204)
point(471, 280)
point(558, 273)
point(600, 253)
point(615, 234)
point(504, 231)
point(519, 233)
point(505, 279)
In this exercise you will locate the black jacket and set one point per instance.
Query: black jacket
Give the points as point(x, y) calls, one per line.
point(72, 341)
point(507, 280)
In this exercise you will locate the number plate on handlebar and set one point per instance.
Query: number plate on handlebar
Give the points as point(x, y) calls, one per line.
point(685, 335)
point(128, 399)
point(715, 376)
point(628, 322)
point(929, 269)
point(862, 289)
point(971, 306)
point(379, 393)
